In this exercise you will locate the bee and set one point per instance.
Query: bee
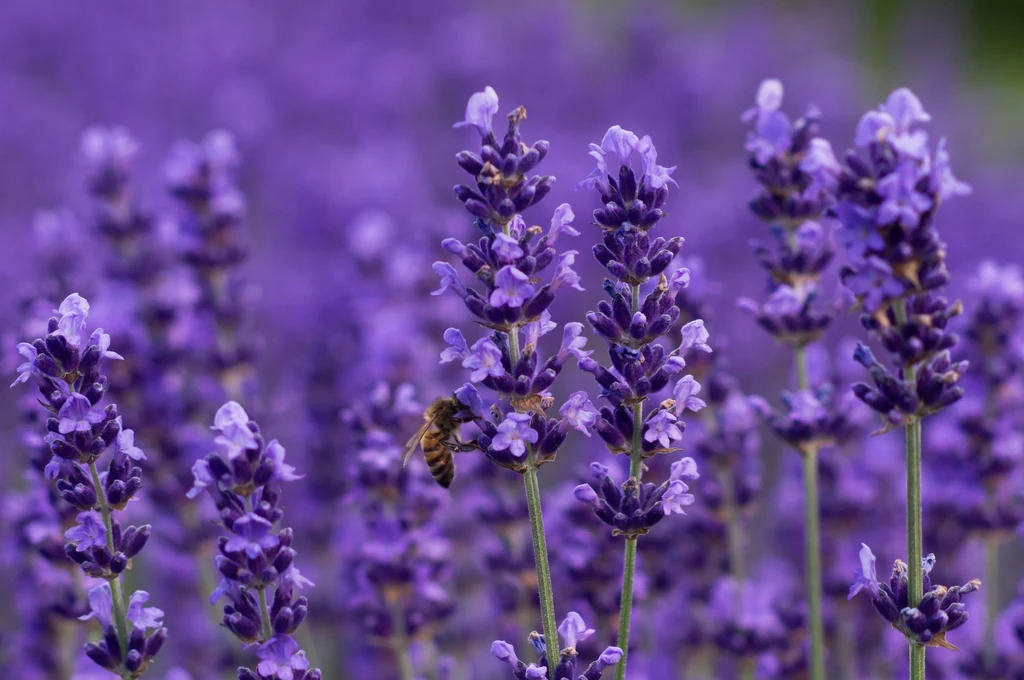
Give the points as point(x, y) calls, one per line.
point(439, 439)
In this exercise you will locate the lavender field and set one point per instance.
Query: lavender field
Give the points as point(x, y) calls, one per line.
point(710, 367)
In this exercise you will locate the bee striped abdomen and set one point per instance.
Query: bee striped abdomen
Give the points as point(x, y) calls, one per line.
point(440, 460)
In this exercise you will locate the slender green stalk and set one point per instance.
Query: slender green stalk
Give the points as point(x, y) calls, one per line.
point(991, 589)
point(540, 555)
point(626, 608)
point(914, 540)
point(540, 545)
point(400, 645)
point(733, 525)
point(636, 469)
point(117, 593)
point(812, 539)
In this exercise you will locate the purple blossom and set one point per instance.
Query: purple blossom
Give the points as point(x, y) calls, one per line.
point(662, 428)
point(26, 369)
point(280, 657)
point(470, 397)
point(865, 578)
point(821, 164)
point(88, 533)
point(101, 606)
point(768, 100)
point(252, 534)
point(232, 422)
point(564, 274)
point(78, 415)
point(484, 359)
point(573, 631)
point(126, 444)
point(656, 175)
point(903, 202)
point(573, 342)
point(684, 468)
point(676, 498)
point(514, 433)
point(685, 395)
point(457, 347)
point(561, 223)
point(74, 311)
point(143, 617)
point(281, 471)
point(943, 183)
point(511, 288)
point(480, 111)
point(694, 337)
point(503, 651)
point(506, 248)
point(679, 280)
point(579, 412)
point(449, 279)
point(202, 478)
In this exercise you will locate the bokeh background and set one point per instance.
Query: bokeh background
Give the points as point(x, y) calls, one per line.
point(342, 112)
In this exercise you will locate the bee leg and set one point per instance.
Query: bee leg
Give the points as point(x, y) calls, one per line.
point(460, 446)
point(463, 421)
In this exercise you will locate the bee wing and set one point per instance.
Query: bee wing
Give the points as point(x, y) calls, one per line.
point(414, 441)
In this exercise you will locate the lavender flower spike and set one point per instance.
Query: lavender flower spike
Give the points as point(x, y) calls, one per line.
point(633, 189)
point(66, 366)
point(887, 199)
point(244, 477)
point(513, 299)
point(571, 632)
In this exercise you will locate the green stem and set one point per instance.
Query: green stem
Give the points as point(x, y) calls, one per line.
point(540, 545)
point(117, 593)
point(540, 555)
point(400, 645)
point(733, 525)
point(914, 540)
point(812, 539)
point(636, 469)
point(991, 590)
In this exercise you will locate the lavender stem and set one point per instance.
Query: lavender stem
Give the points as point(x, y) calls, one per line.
point(626, 610)
point(812, 537)
point(540, 555)
point(636, 469)
point(733, 526)
point(401, 642)
point(540, 545)
point(992, 593)
point(120, 619)
point(265, 629)
point(914, 541)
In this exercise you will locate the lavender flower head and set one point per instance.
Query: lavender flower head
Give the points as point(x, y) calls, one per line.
point(244, 478)
point(887, 199)
point(508, 260)
point(792, 165)
point(571, 632)
point(939, 612)
point(66, 367)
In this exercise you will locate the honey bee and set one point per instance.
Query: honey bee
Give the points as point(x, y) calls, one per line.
point(439, 439)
